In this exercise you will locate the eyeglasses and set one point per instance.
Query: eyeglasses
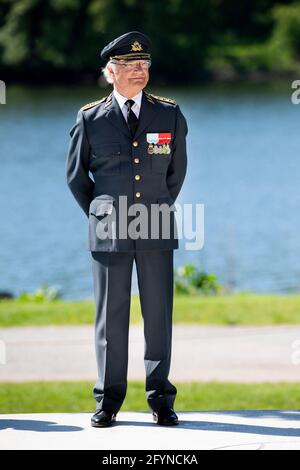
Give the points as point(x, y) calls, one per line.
point(145, 64)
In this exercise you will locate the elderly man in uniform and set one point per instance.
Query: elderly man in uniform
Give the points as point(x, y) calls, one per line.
point(134, 145)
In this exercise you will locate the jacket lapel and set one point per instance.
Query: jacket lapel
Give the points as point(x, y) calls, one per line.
point(147, 113)
point(115, 116)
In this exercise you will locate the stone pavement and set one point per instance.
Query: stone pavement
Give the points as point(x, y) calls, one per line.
point(199, 353)
point(236, 430)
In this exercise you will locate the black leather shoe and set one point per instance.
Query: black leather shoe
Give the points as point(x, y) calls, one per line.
point(165, 416)
point(103, 418)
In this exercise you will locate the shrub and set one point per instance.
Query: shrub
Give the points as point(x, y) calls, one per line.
point(188, 280)
point(44, 293)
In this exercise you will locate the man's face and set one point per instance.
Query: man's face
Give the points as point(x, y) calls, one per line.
point(130, 76)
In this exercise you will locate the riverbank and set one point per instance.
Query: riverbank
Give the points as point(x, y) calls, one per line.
point(231, 309)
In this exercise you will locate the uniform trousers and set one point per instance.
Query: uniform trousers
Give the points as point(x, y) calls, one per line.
point(112, 273)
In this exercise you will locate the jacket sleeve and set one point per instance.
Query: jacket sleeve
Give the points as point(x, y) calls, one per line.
point(178, 166)
point(77, 165)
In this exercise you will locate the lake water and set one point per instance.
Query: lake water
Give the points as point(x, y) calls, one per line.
point(243, 165)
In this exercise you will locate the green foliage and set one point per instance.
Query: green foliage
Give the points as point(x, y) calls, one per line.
point(44, 293)
point(279, 52)
point(188, 280)
point(226, 61)
point(285, 40)
point(192, 39)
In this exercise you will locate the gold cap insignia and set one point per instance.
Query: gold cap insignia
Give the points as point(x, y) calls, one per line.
point(136, 46)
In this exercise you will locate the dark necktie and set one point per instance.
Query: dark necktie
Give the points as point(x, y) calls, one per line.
point(132, 120)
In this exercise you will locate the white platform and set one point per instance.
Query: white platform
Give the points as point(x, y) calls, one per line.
point(257, 430)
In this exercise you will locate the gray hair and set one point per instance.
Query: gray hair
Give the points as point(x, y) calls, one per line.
point(106, 72)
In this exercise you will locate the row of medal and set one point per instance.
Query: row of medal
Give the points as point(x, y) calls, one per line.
point(159, 149)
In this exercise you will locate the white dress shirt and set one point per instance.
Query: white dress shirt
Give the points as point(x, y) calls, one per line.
point(135, 107)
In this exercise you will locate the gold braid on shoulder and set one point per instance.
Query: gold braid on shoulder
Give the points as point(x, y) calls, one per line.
point(162, 98)
point(90, 105)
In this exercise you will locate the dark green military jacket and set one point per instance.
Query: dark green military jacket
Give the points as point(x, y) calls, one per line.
point(105, 162)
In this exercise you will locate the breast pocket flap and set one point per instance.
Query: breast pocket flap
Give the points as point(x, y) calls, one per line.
point(107, 149)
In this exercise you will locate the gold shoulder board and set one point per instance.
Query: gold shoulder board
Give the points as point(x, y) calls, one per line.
point(163, 98)
point(90, 105)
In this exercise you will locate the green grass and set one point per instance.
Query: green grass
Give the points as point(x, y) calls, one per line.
point(234, 309)
point(44, 397)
